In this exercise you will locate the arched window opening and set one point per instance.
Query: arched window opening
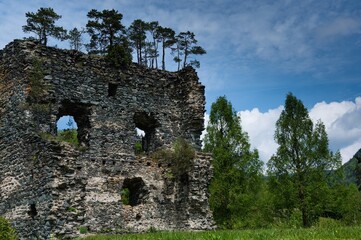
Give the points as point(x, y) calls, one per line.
point(67, 129)
point(138, 146)
point(134, 191)
point(73, 121)
point(145, 127)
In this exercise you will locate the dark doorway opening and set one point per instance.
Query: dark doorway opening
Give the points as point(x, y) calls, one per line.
point(112, 89)
point(136, 190)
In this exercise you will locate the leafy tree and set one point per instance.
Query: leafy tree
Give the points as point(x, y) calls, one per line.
point(237, 169)
point(298, 171)
point(75, 40)
point(167, 37)
point(42, 23)
point(105, 30)
point(186, 43)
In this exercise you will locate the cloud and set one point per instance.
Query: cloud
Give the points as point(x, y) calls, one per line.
point(341, 119)
point(339, 27)
point(343, 125)
point(260, 128)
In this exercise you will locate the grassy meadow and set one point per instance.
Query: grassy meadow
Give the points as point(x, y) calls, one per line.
point(259, 234)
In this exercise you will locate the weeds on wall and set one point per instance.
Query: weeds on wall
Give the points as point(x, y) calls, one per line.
point(179, 158)
point(37, 87)
point(6, 230)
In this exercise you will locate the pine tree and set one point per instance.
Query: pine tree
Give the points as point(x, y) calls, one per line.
point(42, 23)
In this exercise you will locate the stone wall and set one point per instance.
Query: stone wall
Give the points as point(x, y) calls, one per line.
point(54, 188)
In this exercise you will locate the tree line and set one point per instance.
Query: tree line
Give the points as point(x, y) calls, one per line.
point(304, 184)
point(108, 36)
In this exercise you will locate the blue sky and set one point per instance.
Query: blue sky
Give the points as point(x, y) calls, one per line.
point(257, 52)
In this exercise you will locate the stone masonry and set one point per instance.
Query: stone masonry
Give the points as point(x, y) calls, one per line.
point(51, 188)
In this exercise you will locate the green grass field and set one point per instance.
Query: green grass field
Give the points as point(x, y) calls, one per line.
point(279, 234)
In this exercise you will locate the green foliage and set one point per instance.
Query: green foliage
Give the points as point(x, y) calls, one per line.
point(180, 157)
point(138, 149)
point(105, 30)
point(167, 37)
point(137, 36)
point(83, 230)
point(37, 87)
point(125, 196)
point(66, 135)
point(75, 40)
point(120, 56)
point(186, 46)
point(152, 230)
point(42, 23)
point(71, 209)
point(237, 177)
point(328, 223)
point(69, 136)
point(7, 232)
point(259, 234)
point(298, 171)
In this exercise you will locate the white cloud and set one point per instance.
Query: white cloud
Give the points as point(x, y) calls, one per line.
point(341, 119)
point(343, 125)
point(260, 128)
point(341, 26)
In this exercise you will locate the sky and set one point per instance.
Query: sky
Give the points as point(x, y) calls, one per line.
point(257, 52)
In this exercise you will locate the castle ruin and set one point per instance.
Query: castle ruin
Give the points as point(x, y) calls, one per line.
point(52, 188)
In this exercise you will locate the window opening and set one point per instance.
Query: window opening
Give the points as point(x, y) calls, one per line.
point(67, 129)
point(74, 116)
point(32, 210)
point(138, 146)
point(145, 126)
point(134, 191)
point(112, 89)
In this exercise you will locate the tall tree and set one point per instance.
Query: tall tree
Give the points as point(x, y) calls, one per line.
point(42, 23)
point(187, 44)
point(105, 30)
point(298, 171)
point(152, 29)
point(137, 36)
point(75, 39)
point(167, 37)
point(237, 169)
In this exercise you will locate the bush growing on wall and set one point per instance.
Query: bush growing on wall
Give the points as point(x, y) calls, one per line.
point(180, 158)
point(7, 232)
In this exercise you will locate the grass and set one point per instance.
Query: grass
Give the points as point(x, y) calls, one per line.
point(260, 234)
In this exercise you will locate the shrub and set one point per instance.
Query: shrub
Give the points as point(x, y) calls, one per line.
point(125, 196)
point(180, 158)
point(68, 135)
point(328, 223)
point(138, 147)
point(120, 56)
point(7, 232)
point(83, 230)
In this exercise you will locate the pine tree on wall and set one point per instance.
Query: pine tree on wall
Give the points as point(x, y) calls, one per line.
point(42, 23)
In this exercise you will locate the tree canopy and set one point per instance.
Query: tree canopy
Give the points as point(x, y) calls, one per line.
point(299, 169)
point(237, 169)
point(105, 30)
point(42, 23)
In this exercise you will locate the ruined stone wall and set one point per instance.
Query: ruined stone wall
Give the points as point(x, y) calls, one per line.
point(54, 188)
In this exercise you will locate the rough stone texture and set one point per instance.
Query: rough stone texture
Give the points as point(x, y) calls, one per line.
point(50, 188)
